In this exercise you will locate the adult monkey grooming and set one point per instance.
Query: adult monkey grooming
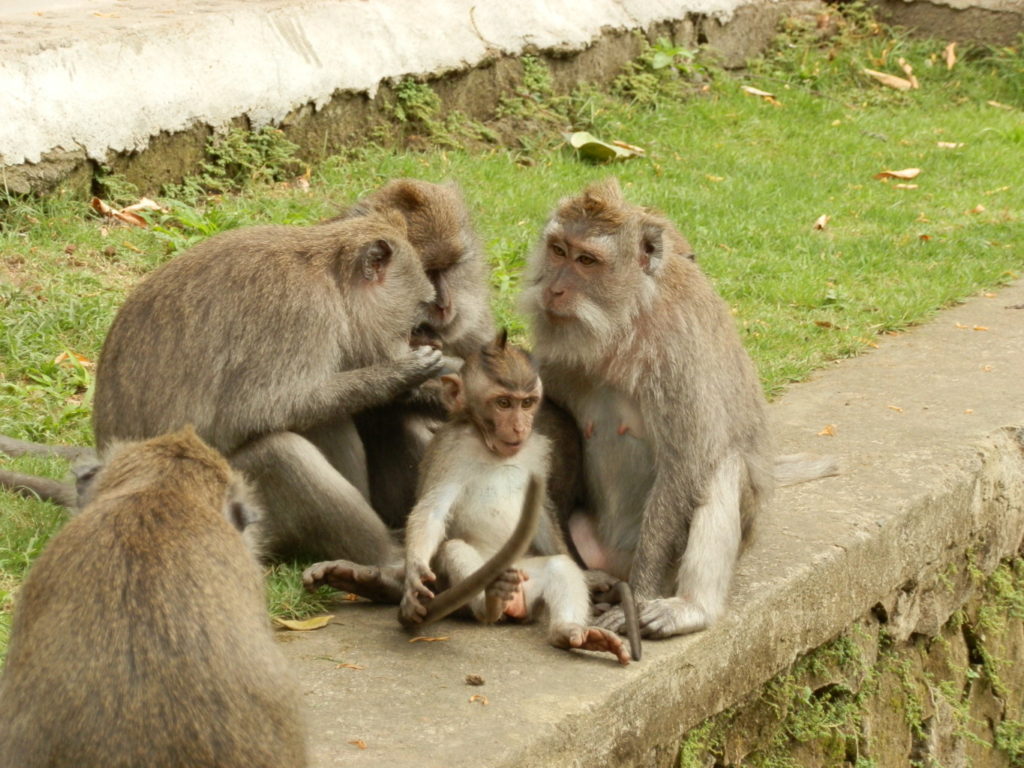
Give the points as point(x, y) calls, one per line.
point(474, 480)
point(632, 338)
point(141, 635)
point(268, 339)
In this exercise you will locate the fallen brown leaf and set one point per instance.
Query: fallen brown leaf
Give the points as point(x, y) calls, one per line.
point(990, 295)
point(769, 97)
point(350, 597)
point(479, 697)
point(906, 174)
point(358, 743)
point(127, 215)
point(977, 209)
point(909, 72)
point(894, 408)
point(904, 186)
point(987, 368)
point(899, 83)
point(828, 431)
point(926, 238)
point(474, 680)
point(64, 357)
point(348, 666)
point(427, 639)
point(980, 328)
point(304, 625)
point(949, 144)
point(824, 324)
point(998, 105)
point(822, 221)
point(949, 55)
point(962, 327)
point(968, 410)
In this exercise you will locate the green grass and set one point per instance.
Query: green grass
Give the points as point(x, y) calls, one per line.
point(743, 179)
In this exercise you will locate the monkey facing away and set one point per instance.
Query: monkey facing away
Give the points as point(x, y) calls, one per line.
point(268, 340)
point(632, 338)
point(473, 482)
point(141, 637)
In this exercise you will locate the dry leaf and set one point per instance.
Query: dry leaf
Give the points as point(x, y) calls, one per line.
point(824, 324)
point(926, 238)
point(479, 697)
point(997, 189)
point(904, 186)
point(474, 680)
point(980, 328)
point(304, 625)
point(358, 743)
point(949, 54)
point(987, 369)
point(977, 209)
point(348, 666)
point(125, 215)
point(909, 72)
point(949, 144)
point(906, 174)
point(990, 295)
point(894, 408)
point(427, 639)
point(822, 221)
point(892, 81)
point(64, 357)
point(962, 327)
point(351, 597)
point(968, 410)
point(828, 431)
point(769, 97)
point(710, 177)
point(998, 105)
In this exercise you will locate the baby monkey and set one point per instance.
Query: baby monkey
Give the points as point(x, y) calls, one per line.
point(466, 531)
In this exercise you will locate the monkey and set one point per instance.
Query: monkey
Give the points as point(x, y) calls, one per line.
point(458, 322)
point(633, 340)
point(140, 636)
point(474, 477)
point(268, 340)
point(33, 486)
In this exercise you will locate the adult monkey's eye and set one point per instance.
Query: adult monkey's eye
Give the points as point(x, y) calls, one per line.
point(558, 250)
point(586, 259)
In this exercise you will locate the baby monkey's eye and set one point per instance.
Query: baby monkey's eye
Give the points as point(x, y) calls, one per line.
point(503, 402)
point(529, 402)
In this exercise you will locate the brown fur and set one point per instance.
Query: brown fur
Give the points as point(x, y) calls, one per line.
point(140, 636)
point(268, 339)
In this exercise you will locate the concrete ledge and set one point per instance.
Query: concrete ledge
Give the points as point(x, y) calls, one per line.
point(140, 86)
point(996, 22)
point(930, 432)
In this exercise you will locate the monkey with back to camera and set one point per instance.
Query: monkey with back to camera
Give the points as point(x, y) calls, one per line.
point(141, 637)
point(474, 479)
point(634, 341)
point(268, 340)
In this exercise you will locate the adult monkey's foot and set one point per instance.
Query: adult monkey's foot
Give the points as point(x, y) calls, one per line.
point(380, 584)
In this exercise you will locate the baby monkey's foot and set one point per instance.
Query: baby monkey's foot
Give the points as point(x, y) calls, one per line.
point(571, 636)
point(381, 584)
point(504, 596)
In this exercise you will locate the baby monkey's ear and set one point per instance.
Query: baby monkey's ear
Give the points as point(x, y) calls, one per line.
point(453, 394)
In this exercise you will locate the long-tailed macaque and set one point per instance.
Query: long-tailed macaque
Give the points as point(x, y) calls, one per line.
point(474, 479)
point(632, 338)
point(141, 637)
point(268, 340)
point(458, 321)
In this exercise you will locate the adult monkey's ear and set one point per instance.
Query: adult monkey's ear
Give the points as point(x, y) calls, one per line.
point(374, 258)
point(652, 246)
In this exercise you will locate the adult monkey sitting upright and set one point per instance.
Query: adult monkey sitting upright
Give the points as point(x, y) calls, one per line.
point(632, 338)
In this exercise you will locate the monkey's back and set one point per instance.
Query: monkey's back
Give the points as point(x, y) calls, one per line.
point(140, 639)
point(206, 336)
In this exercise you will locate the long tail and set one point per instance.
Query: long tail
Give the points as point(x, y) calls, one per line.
point(458, 595)
point(43, 488)
point(794, 468)
point(14, 447)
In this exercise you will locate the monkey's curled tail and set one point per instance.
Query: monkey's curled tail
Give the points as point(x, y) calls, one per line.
point(794, 468)
point(43, 488)
point(457, 596)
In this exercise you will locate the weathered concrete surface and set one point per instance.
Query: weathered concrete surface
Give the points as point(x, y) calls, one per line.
point(930, 432)
point(997, 22)
point(101, 81)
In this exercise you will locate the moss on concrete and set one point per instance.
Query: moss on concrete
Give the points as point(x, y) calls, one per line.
point(868, 699)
